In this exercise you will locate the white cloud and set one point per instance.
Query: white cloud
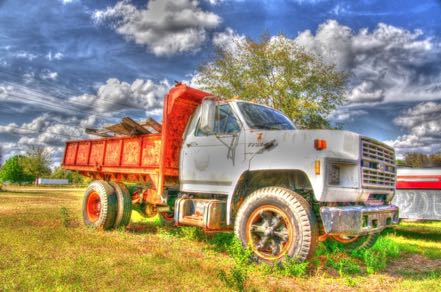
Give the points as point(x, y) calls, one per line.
point(117, 95)
point(28, 77)
point(25, 55)
point(387, 64)
point(422, 124)
point(48, 130)
point(366, 92)
point(4, 91)
point(165, 27)
point(32, 96)
point(344, 114)
point(54, 56)
point(48, 75)
point(228, 39)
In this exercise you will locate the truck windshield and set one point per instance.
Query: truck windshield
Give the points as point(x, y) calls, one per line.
point(265, 118)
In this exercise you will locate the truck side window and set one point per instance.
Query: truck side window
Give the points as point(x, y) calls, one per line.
point(225, 121)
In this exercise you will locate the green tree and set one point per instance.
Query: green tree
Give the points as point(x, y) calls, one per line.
point(36, 163)
point(417, 160)
point(12, 171)
point(278, 73)
point(436, 159)
point(74, 177)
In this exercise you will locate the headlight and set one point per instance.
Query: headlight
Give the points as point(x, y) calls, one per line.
point(334, 174)
point(342, 173)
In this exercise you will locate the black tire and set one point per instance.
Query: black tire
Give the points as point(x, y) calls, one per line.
point(124, 205)
point(297, 215)
point(356, 243)
point(101, 195)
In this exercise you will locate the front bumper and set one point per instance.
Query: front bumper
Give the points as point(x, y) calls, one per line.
point(358, 220)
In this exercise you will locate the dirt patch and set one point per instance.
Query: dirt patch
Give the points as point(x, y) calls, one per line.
point(415, 263)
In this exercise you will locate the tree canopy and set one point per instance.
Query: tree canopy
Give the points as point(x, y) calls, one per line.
point(26, 168)
point(278, 73)
point(12, 171)
point(36, 163)
point(418, 160)
point(74, 177)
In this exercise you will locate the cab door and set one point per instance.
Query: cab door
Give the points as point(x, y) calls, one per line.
point(210, 163)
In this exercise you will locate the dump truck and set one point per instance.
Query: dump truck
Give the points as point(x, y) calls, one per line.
point(418, 193)
point(231, 165)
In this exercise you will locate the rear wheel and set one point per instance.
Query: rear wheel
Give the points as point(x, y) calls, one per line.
point(99, 205)
point(124, 208)
point(277, 222)
point(354, 243)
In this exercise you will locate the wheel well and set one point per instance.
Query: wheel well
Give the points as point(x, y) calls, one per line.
point(250, 181)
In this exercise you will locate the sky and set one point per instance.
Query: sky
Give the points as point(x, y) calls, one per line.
point(70, 64)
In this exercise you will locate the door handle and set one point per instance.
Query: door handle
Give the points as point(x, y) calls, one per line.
point(192, 144)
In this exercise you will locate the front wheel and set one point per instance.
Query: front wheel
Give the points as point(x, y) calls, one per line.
point(277, 222)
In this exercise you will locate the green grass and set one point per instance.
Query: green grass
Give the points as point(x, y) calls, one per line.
point(44, 246)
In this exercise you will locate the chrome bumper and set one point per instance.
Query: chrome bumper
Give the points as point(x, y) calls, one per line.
point(358, 220)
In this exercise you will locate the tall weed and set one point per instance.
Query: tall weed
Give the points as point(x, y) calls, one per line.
point(236, 278)
point(377, 257)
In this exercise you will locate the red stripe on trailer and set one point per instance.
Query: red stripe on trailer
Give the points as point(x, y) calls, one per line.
point(418, 182)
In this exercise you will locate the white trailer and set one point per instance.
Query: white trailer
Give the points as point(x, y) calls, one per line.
point(52, 181)
point(418, 193)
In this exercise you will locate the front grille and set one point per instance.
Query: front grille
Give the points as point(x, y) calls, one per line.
point(378, 164)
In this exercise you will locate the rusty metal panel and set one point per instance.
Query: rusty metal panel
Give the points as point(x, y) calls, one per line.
point(112, 155)
point(83, 153)
point(419, 204)
point(71, 150)
point(179, 105)
point(96, 153)
point(151, 149)
point(131, 152)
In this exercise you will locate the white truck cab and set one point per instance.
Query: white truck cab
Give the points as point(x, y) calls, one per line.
point(251, 157)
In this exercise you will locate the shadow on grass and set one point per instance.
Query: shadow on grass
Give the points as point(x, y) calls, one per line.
point(423, 275)
point(142, 228)
point(411, 234)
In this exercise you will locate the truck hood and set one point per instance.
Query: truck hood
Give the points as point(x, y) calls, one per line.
point(340, 144)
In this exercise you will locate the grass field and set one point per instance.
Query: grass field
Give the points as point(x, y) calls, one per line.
point(44, 246)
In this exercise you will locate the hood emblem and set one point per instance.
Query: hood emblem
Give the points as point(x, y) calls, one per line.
point(381, 166)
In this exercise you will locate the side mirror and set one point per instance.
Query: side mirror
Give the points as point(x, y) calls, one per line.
point(208, 112)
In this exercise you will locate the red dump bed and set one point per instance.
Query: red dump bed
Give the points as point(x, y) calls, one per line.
point(150, 158)
point(139, 154)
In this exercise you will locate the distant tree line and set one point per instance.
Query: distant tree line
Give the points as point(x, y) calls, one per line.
point(26, 168)
point(419, 160)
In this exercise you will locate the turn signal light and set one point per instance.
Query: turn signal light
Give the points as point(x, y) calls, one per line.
point(320, 144)
point(317, 167)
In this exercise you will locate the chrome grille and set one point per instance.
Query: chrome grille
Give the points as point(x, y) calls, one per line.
point(378, 164)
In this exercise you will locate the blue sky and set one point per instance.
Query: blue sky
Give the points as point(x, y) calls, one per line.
point(67, 65)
